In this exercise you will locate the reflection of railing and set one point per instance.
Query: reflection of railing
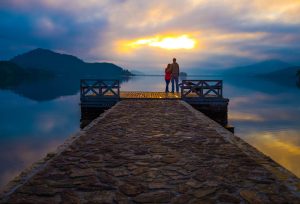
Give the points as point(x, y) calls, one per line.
point(99, 88)
point(202, 88)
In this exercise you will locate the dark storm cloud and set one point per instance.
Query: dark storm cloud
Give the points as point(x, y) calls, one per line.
point(39, 27)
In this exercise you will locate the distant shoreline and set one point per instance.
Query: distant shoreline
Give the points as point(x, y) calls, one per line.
point(179, 76)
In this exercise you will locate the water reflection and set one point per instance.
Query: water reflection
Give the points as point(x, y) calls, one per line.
point(242, 116)
point(35, 118)
point(30, 129)
point(48, 89)
point(267, 115)
point(18, 155)
point(283, 146)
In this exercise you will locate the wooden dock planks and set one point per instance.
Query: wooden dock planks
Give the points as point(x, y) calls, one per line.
point(148, 95)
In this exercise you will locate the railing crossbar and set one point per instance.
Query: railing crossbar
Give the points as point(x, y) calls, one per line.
point(99, 88)
point(201, 88)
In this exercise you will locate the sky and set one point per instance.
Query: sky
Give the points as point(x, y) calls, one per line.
point(145, 35)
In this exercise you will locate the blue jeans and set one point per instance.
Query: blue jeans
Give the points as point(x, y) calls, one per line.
point(175, 80)
point(167, 85)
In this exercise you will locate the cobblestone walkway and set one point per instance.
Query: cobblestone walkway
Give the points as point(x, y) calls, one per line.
point(157, 152)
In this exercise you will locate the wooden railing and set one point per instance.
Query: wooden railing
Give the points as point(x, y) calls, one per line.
point(99, 88)
point(201, 88)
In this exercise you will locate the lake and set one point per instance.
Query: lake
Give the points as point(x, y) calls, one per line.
point(36, 118)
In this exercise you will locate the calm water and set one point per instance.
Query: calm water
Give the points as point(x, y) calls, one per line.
point(36, 118)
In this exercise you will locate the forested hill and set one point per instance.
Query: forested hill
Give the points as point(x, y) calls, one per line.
point(63, 64)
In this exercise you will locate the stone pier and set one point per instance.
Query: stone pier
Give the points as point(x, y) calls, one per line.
point(154, 151)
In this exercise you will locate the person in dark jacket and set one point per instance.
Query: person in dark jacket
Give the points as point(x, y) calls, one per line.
point(175, 75)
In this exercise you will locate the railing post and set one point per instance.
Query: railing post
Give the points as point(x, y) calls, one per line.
point(221, 88)
point(201, 88)
point(181, 88)
point(118, 82)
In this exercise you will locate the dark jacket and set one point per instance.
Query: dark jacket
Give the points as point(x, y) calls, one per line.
point(174, 70)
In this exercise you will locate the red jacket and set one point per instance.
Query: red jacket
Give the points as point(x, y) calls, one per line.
point(167, 75)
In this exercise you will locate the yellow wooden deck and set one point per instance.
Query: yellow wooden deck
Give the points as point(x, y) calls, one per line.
point(148, 95)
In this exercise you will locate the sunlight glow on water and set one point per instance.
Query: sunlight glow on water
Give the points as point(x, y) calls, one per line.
point(281, 145)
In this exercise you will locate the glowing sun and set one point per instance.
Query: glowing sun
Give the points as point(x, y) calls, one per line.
point(165, 42)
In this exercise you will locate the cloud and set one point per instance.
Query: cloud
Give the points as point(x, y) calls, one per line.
point(231, 31)
point(23, 29)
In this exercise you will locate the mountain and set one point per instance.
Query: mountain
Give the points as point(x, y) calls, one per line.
point(290, 72)
point(43, 75)
point(256, 69)
point(136, 72)
point(8, 68)
point(287, 76)
point(66, 65)
point(32, 83)
point(12, 75)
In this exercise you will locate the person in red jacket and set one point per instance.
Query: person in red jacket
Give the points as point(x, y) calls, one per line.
point(168, 77)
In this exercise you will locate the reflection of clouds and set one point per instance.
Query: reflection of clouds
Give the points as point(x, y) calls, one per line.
point(51, 120)
point(278, 114)
point(7, 176)
point(57, 115)
point(282, 146)
point(236, 101)
point(253, 98)
point(21, 155)
point(70, 99)
point(30, 129)
point(46, 123)
point(267, 120)
point(262, 115)
point(256, 106)
point(245, 116)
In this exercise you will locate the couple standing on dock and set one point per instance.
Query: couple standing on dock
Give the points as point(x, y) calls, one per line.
point(172, 74)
